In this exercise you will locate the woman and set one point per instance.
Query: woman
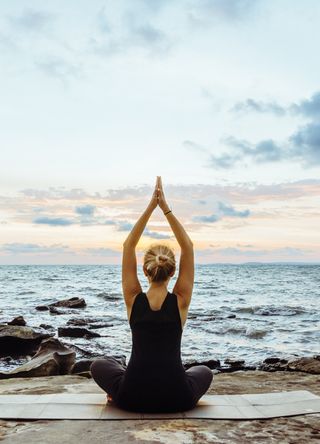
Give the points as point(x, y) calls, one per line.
point(155, 379)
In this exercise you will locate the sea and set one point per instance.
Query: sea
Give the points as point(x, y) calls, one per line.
point(249, 311)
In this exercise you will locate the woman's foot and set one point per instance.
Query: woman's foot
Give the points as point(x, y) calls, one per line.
point(109, 399)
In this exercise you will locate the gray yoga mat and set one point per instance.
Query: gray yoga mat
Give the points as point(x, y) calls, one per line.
point(94, 406)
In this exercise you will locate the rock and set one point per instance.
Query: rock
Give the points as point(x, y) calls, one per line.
point(16, 340)
point(274, 364)
point(271, 360)
point(82, 366)
point(19, 320)
point(53, 310)
point(80, 322)
point(74, 302)
point(77, 332)
point(212, 363)
point(46, 326)
point(307, 365)
point(42, 307)
point(231, 316)
point(52, 358)
point(235, 363)
point(77, 322)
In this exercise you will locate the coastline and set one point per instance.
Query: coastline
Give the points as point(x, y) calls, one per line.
point(296, 429)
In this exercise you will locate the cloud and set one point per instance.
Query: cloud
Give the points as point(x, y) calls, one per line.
point(58, 193)
point(284, 251)
point(203, 12)
point(54, 221)
point(308, 107)
point(124, 226)
point(86, 210)
point(212, 218)
point(155, 235)
point(32, 20)
point(223, 210)
point(25, 248)
point(58, 68)
point(102, 251)
point(228, 210)
point(129, 28)
point(306, 144)
point(259, 107)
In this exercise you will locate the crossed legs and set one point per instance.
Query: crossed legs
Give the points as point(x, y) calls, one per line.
point(108, 373)
point(200, 378)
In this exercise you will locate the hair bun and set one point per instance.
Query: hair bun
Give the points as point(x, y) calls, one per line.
point(162, 258)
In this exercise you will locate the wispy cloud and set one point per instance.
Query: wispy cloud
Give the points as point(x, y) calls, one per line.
point(202, 12)
point(223, 210)
point(29, 248)
point(54, 221)
point(155, 234)
point(102, 251)
point(250, 105)
point(32, 20)
point(86, 210)
point(301, 147)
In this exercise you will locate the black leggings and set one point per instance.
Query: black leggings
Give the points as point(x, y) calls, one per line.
point(108, 372)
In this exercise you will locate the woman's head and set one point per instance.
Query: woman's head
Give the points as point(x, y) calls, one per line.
point(159, 262)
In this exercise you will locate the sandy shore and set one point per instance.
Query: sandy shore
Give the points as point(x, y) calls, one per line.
point(297, 429)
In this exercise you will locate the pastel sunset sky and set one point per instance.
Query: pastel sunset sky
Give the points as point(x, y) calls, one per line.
point(219, 97)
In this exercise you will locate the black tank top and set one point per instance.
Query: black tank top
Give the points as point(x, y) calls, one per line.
point(155, 379)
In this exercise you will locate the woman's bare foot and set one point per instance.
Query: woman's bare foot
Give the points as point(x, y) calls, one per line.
point(109, 399)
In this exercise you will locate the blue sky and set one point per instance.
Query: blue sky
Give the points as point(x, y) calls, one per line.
point(220, 98)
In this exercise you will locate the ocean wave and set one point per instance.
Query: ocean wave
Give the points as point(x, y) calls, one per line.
point(255, 333)
point(26, 292)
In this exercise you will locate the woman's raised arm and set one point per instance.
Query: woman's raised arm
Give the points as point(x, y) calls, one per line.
point(184, 284)
point(130, 282)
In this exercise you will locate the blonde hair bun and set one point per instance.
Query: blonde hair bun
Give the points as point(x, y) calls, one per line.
point(159, 262)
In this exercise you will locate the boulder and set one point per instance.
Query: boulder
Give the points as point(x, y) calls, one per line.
point(274, 364)
point(211, 363)
point(77, 332)
point(19, 320)
point(42, 308)
point(52, 358)
point(74, 302)
point(17, 340)
point(307, 365)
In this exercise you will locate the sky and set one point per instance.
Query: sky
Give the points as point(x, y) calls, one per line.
point(221, 98)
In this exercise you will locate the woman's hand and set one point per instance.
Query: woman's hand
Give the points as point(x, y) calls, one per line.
point(161, 199)
point(154, 199)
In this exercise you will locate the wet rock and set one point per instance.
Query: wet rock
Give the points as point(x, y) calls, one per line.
point(42, 308)
point(73, 302)
point(307, 365)
point(231, 316)
point(82, 366)
point(271, 360)
point(211, 363)
point(235, 364)
point(274, 364)
point(16, 340)
point(19, 320)
point(77, 332)
point(53, 310)
point(51, 358)
point(46, 326)
point(77, 322)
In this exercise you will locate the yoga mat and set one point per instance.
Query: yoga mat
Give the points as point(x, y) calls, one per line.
point(94, 406)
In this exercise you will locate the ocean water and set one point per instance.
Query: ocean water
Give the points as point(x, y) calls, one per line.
point(277, 308)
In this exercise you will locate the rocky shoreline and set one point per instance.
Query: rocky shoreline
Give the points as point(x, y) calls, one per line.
point(303, 429)
point(48, 356)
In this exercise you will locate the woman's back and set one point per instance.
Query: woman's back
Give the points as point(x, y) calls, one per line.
point(155, 378)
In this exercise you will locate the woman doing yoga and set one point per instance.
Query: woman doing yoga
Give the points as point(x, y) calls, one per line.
point(155, 379)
